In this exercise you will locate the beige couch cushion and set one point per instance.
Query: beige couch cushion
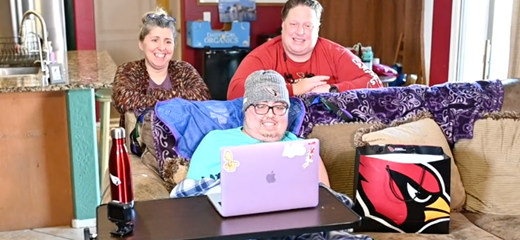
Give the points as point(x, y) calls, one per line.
point(146, 180)
point(489, 165)
point(502, 226)
point(130, 120)
point(338, 153)
point(511, 93)
point(418, 130)
point(460, 228)
point(147, 184)
point(146, 137)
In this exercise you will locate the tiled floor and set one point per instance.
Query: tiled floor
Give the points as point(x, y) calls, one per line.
point(54, 233)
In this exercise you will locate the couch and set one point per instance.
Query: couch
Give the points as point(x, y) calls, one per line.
point(484, 168)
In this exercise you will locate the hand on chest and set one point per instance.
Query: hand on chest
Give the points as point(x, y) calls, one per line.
point(293, 71)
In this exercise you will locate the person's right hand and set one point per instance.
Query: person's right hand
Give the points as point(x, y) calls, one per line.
point(307, 84)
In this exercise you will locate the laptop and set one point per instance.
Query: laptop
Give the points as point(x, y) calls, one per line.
point(268, 177)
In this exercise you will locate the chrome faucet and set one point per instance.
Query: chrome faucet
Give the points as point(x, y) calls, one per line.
point(45, 51)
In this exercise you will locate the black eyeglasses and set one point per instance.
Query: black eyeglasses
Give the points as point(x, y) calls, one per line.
point(262, 109)
point(152, 16)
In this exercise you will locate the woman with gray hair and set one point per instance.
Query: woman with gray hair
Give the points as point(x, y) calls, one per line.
point(140, 84)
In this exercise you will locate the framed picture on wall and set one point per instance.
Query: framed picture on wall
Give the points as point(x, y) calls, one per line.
point(237, 10)
point(262, 2)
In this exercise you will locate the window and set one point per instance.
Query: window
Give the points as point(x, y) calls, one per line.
point(480, 39)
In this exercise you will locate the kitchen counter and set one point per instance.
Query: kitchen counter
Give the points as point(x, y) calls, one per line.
point(86, 69)
point(57, 123)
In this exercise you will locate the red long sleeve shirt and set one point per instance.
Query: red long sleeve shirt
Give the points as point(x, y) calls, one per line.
point(346, 71)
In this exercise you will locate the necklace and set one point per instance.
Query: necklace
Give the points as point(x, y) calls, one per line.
point(301, 75)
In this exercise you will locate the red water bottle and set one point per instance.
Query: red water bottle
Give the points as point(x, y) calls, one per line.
point(119, 169)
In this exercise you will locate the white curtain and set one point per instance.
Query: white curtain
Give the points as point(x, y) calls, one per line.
point(514, 56)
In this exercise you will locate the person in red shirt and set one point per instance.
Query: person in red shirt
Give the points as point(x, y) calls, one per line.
point(308, 62)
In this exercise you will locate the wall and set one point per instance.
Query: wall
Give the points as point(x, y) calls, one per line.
point(379, 24)
point(441, 33)
point(440, 40)
point(85, 24)
point(6, 29)
point(269, 20)
point(440, 29)
point(427, 31)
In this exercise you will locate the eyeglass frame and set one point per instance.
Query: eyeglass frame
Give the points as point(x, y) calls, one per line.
point(272, 108)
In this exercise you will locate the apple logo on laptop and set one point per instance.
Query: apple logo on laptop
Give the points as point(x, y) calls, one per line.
point(270, 177)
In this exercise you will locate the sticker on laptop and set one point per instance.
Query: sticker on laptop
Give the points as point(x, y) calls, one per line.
point(293, 149)
point(230, 164)
point(310, 155)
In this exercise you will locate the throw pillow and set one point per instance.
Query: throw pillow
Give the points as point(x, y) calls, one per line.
point(420, 129)
point(175, 170)
point(338, 153)
point(489, 164)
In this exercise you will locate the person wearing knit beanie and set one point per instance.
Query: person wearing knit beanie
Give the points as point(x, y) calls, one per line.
point(265, 106)
point(266, 118)
point(262, 86)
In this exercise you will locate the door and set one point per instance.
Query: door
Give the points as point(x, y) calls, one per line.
point(483, 41)
point(117, 30)
point(173, 7)
point(175, 11)
point(119, 34)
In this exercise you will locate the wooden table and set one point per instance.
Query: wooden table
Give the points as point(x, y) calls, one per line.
point(195, 218)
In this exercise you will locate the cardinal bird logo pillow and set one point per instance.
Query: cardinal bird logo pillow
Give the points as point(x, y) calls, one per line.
point(403, 189)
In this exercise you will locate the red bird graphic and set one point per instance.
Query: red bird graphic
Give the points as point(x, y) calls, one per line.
point(401, 196)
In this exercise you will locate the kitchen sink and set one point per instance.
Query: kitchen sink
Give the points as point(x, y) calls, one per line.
point(14, 71)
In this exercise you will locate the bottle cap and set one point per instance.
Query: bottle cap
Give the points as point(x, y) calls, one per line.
point(117, 133)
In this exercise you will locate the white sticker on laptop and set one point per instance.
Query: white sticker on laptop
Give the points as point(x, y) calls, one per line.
point(310, 155)
point(230, 164)
point(293, 150)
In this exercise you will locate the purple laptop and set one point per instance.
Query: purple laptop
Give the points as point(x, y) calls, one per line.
point(268, 177)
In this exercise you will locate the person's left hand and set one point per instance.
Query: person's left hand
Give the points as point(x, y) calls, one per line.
point(321, 88)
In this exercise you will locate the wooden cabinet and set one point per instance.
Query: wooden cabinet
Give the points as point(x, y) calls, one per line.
point(378, 23)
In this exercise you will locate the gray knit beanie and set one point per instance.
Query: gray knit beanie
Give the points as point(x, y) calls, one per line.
point(265, 86)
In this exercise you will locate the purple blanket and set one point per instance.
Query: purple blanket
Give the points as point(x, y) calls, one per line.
point(454, 106)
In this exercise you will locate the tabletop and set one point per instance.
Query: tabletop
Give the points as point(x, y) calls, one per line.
point(195, 218)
